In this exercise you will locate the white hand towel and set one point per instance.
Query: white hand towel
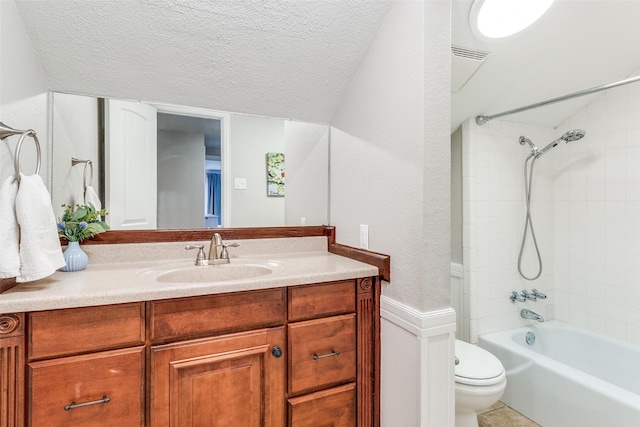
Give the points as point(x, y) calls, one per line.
point(91, 197)
point(9, 252)
point(40, 250)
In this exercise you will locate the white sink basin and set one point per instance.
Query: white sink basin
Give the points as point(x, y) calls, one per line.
point(213, 273)
point(186, 272)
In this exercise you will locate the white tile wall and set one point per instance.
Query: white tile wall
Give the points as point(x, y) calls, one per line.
point(586, 213)
point(597, 218)
point(494, 214)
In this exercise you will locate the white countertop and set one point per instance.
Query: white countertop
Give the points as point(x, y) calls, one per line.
point(120, 282)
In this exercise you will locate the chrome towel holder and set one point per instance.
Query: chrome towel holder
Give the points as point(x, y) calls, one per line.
point(87, 163)
point(7, 131)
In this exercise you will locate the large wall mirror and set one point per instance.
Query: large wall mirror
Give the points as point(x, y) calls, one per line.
point(170, 167)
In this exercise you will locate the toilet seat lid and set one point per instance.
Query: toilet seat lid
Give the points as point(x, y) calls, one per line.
point(476, 365)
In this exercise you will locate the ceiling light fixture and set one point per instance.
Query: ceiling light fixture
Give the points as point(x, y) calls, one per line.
point(494, 19)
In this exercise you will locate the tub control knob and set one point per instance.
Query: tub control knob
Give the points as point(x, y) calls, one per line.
point(514, 296)
point(456, 361)
point(538, 294)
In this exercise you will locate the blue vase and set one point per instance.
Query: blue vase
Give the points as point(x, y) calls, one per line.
point(75, 258)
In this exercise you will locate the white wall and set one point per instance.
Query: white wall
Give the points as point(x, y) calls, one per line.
point(586, 213)
point(251, 138)
point(390, 153)
point(23, 94)
point(180, 195)
point(390, 157)
point(307, 173)
point(75, 129)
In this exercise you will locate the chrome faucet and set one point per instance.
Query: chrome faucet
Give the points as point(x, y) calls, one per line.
point(221, 257)
point(218, 253)
point(528, 314)
point(216, 242)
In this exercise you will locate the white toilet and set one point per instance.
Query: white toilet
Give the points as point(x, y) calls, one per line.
point(480, 382)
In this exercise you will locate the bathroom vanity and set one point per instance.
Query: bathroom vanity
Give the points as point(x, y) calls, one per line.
point(288, 348)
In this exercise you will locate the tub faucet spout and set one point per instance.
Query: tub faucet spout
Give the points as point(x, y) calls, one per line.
point(528, 314)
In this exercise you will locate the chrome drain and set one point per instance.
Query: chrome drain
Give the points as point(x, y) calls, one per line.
point(530, 338)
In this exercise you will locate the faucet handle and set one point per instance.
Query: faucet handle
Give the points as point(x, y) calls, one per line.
point(201, 259)
point(225, 254)
point(528, 295)
point(514, 296)
point(539, 294)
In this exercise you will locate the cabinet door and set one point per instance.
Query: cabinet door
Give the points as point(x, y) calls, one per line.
point(100, 389)
point(335, 407)
point(231, 380)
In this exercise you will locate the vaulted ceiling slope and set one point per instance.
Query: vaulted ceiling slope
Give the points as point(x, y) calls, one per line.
point(295, 58)
point(291, 59)
point(576, 45)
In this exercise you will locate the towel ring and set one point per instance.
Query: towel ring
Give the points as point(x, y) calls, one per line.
point(16, 162)
point(87, 163)
point(7, 131)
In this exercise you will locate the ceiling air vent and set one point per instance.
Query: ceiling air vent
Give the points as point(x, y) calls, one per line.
point(464, 63)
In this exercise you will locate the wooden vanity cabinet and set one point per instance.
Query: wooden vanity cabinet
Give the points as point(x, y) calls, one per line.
point(301, 356)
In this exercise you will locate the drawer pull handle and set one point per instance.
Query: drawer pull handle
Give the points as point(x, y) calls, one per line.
point(74, 405)
point(322, 356)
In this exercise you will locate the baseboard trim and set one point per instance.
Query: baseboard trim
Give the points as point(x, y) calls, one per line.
point(420, 324)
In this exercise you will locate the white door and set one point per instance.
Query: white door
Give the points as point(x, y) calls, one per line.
point(131, 165)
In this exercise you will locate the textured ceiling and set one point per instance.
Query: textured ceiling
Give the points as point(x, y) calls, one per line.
point(291, 59)
point(578, 44)
point(295, 58)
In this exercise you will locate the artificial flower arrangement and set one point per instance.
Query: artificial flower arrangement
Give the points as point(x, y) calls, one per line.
point(81, 222)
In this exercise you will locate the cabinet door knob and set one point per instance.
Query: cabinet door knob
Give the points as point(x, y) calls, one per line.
point(276, 352)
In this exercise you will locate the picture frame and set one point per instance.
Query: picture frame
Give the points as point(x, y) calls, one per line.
point(275, 174)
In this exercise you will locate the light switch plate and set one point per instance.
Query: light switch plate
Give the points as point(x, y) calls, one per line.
point(240, 183)
point(364, 236)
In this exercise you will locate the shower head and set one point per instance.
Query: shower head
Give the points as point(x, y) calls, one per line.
point(570, 136)
point(573, 135)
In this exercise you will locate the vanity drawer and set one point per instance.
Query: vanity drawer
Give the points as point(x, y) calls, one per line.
point(335, 407)
point(73, 391)
point(200, 316)
point(322, 352)
point(57, 333)
point(326, 299)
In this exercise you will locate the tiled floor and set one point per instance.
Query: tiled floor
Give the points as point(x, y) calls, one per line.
point(500, 415)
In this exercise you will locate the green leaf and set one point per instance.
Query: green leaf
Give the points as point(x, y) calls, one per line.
point(79, 214)
point(103, 225)
point(95, 228)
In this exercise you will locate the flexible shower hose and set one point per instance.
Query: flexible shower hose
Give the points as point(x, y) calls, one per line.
point(528, 223)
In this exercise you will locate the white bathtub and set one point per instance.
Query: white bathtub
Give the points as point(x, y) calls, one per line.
point(569, 376)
